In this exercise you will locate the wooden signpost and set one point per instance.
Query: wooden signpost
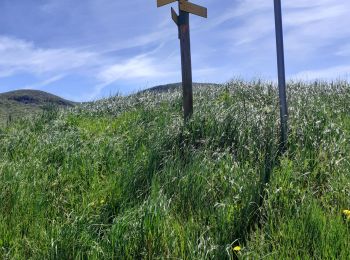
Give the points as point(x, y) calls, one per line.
point(281, 75)
point(183, 23)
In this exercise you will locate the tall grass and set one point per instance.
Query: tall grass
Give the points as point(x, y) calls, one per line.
point(124, 178)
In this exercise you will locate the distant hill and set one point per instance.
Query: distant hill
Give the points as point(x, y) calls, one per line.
point(174, 86)
point(19, 103)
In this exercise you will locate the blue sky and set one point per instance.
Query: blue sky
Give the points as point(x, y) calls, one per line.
point(88, 49)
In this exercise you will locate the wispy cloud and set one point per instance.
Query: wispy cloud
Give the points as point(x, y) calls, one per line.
point(19, 56)
point(311, 28)
point(136, 69)
point(331, 73)
point(45, 83)
point(313, 32)
point(99, 46)
point(239, 10)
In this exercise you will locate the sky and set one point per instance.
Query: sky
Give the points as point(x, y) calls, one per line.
point(88, 49)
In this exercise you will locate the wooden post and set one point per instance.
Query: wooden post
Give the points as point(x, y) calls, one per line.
point(281, 75)
point(186, 65)
point(183, 23)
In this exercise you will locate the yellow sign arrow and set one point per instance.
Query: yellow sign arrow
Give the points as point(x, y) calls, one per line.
point(164, 2)
point(193, 9)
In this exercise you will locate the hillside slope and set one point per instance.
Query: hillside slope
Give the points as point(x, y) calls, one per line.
point(124, 178)
point(176, 87)
point(19, 103)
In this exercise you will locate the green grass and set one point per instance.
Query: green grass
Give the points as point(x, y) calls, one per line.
point(124, 178)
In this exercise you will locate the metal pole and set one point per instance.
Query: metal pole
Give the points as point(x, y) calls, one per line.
point(185, 45)
point(281, 75)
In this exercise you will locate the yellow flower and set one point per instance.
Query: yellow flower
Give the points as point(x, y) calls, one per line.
point(237, 248)
point(346, 212)
point(102, 201)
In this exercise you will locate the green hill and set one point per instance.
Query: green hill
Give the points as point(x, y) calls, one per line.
point(176, 87)
point(124, 178)
point(19, 103)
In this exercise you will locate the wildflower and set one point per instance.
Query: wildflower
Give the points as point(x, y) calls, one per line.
point(102, 201)
point(346, 212)
point(237, 249)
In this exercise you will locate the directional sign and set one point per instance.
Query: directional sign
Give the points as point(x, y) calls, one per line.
point(183, 24)
point(174, 16)
point(164, 2)
point(193, 9)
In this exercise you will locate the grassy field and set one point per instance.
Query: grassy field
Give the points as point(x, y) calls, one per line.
point(124, 178)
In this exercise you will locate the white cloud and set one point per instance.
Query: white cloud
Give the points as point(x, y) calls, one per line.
point(298, 17)
point(240, 10)
point(337, 72)
point(252, 30)
point(22, 56)
point(309, 29)
point(51, 65)
point(313, 30)
point(237, 38)
point(136, 69)
point(46, 82)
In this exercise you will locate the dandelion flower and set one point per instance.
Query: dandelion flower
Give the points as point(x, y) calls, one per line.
point(102, 201)
point(346, 212)
point(237, 248)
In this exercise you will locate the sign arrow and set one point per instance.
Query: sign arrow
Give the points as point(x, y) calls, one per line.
point(174, 16)
point(164, 2)
point(193, 9)
point(183, 25)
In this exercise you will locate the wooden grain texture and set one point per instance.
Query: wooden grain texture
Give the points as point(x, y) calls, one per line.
point(193, 9)
point(164, 2)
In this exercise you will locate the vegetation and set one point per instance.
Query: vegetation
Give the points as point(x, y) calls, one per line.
point(175, 86)
point(124, 178)
point(15, 104)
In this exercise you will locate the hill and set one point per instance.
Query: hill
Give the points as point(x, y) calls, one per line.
point(176, 86)
point(126, 178)
point(18, 103)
